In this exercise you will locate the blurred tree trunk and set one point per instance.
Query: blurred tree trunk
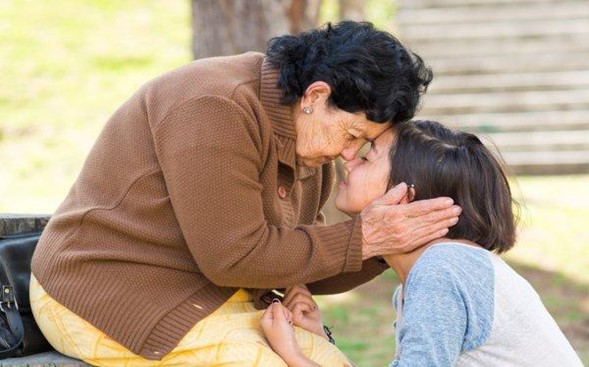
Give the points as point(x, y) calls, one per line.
point(228, 27)
point(352, 10)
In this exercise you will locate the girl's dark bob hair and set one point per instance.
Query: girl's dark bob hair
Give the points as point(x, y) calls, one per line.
point(444, 162)
point(368, 70)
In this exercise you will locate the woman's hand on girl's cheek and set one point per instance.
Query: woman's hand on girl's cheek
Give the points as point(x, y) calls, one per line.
point(389, 227)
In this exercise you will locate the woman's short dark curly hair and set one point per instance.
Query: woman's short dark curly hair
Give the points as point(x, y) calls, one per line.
point(368, 70)
point(444, 162)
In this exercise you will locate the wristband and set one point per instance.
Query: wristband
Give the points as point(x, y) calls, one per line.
point(328, 333)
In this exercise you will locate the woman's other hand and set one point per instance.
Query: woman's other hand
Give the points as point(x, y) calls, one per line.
point(305, 312)
point(391, 225)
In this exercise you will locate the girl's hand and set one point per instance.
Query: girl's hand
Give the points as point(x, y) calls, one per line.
point(305, 312)
point(277, 326)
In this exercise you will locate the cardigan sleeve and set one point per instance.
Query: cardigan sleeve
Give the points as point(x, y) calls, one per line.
point(344, 282)
point(210, 153)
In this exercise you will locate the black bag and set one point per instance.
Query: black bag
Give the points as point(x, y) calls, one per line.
point(19, 333)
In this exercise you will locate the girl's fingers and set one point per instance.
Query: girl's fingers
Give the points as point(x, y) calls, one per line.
point(277, 314)
point(268, 317)
point(301, 307)
point(293, 292)
point(287, 315)
point(298, 297)
point(298, 312)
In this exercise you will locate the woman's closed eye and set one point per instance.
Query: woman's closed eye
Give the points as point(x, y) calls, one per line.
point(351, 137)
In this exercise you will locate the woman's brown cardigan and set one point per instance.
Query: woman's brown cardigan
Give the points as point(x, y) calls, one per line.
point(191, 192)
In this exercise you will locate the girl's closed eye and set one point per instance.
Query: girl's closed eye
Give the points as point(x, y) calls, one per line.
point(367, 177)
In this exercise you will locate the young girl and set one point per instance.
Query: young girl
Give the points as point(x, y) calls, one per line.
point(458, 304)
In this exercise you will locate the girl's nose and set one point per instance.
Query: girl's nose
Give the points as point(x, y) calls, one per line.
point(349, 165)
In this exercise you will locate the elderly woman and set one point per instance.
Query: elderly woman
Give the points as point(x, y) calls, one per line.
point(203, 193)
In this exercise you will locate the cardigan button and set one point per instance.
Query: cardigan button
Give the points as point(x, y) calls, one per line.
point(282, 192)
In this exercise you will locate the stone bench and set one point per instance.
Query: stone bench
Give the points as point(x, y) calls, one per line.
point(12, 224)
point(47, 359)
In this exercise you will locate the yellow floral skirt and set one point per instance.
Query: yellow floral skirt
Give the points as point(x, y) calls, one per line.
point(230, 336)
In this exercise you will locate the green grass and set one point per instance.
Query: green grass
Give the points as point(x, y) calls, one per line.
point(66, 67)
point(554, 226)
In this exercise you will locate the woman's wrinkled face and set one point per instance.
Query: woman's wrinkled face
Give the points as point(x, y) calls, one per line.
point(329, 132)
point(367, 177)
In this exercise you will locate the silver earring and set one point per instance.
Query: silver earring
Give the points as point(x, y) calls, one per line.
point(308, 110)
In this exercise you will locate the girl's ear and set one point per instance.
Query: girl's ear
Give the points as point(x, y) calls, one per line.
point(409, 196)
point(411, 192)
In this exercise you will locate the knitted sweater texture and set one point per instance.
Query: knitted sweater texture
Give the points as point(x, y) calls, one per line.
point(191, 192)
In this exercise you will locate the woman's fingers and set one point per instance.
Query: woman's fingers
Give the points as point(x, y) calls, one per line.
point(426, 225)
point(394, 195)
point(390, 229)
point(437, 220)
point(415, 210)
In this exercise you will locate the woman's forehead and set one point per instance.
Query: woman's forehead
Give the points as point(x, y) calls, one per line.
point(386, 138)
point(371, 129)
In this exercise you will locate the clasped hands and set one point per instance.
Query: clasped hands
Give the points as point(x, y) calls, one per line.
point(279, 319)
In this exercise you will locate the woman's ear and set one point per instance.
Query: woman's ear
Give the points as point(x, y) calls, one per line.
point(316, 93)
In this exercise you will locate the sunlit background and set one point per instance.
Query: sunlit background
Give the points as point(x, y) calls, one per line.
point(66, 66)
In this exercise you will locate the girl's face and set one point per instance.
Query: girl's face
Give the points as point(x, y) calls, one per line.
point(367, 177)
